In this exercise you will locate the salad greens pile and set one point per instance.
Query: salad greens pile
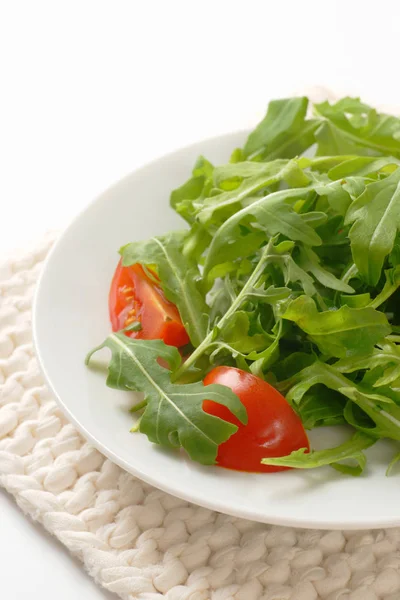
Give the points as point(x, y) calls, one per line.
point(289, 269)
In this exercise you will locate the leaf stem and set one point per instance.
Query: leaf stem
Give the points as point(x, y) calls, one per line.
point(351, 272)
point(138, 406)
point(232, 309)
point(136, 426)
point(384, 295)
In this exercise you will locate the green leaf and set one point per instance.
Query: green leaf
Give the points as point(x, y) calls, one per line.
point(179, 276)
point(355, 186)
point(292, 364)
point(236, 334)
point(353, 127)
point(338, 196)
point(342, 333)
point(190, 190)
point(270, 295)
point(266, 358)
point(294, 273)
point(380, 408)
point(273, 214)
point(284, 132)
point(237, 156)
point(390, 376)
point(393, 463)
point(321, 407)
point(221, 298)
point(358, 419)
point(234, 173)
point(363, 166)
point(394, 257)
point(218, 207)
point(194, 188)
point(351, 450)
point(392, 283)
point(386, 354)
point(196, 241)
point(245, 246)
point(290, 269)
point(268, 253)
point(357, 301)
point(376, 219)
point(173, 416)
point(323, 164)
point(263, 360)
point(332, 140)
point(310, 262)
point(385, 416)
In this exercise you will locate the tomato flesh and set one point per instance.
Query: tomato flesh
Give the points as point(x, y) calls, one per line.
point(273, 428)
point(135, 297)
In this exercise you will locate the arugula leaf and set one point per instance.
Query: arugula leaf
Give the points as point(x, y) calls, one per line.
point(358, 419)
point(179, 276)
point(341, 333)
point(389, 377)
point(198, 186)
point(268, 174)
point(363, 166)
point(385, 416)
point(236, 333)
point(337, 194)
point(393, 463)
point(310, 262)
point(352, 127)
point(350, 450)
point(196, 242)
point(230, 176)
point(357, 301)
point(392, 283)
point(173, 416)
point(294, 273)
point(321, 407)
point(292, 364)
point(383, 355)
point(323, 164)
point(237, 302)
point(284, 132)
point(380, 408)
point(266, 358)
point(244, 332)
point(273, 214)
point(270, 295)
point(290, 269)
point(376, 219)
point(330, 140)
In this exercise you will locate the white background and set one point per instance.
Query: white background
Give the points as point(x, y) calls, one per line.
point(91, 89)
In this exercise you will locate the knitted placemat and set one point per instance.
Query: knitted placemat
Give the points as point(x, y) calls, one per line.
point(137, 541)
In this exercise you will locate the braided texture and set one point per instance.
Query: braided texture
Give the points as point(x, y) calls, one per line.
point(142, 543)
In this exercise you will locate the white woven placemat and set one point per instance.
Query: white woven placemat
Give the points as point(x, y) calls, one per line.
point(142, 543)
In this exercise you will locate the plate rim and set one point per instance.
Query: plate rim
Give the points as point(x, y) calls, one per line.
point(185, 495)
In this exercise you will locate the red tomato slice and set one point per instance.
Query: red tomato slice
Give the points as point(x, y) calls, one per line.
point(135, 297)
point(273, 428)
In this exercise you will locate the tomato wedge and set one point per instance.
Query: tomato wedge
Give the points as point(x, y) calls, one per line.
point(135, 297)
point(273, 428)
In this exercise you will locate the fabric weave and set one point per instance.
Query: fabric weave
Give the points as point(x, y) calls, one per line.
point(139, 542)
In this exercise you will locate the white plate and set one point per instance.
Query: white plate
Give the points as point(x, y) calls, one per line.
point(70, 317)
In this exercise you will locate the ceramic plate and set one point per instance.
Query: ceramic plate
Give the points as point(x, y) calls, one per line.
point(71, 316)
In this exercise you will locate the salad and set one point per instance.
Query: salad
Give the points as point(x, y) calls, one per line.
point(277, 308)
